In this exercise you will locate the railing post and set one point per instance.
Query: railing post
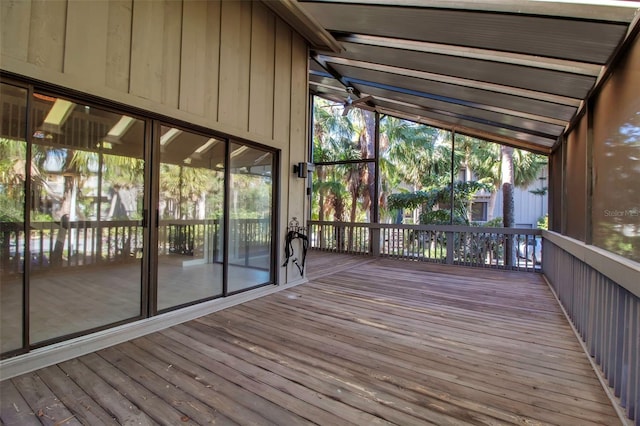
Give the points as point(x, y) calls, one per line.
point(246, 244)
point(374, 241)
point(450, 243)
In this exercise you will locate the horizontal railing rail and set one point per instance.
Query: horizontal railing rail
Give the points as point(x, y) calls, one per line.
point(502, 248)
point(69, 243)
point(85, 242)
point(601, 295)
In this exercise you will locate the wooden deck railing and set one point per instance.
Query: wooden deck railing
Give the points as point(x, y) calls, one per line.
point(83, 243)
point(601, 295)
point(503, 248)
point(71, 243)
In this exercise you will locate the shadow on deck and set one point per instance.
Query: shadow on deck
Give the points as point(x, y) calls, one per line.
point(366, 341)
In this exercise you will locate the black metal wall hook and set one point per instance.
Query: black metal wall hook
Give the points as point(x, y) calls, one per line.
point(295, 231)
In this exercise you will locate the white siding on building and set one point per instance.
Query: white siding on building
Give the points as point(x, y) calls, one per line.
point(528, 207)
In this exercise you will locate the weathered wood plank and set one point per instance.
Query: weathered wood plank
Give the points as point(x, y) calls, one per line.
point(144, 398)
point(316, 394)
point(446, 355)
point(390, 355)
point(44, 403)
point(466, 331)
point(369, 377)
point(123, 410)
point(276, 347)
point(84, 408)
point(168, 392)
point(407, 349)
point(14, 410)
point(236, 375)
point(208, 376)
point(374, 342)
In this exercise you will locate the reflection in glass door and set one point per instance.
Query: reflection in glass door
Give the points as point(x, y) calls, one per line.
point(250, 218)
point(13, 170)
point(190, 211)
point(86, 233)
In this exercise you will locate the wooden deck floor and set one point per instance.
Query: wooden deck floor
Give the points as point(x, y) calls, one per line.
point(366, 342)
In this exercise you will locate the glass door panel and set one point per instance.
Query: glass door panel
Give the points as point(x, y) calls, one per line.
point(86, 237)
point(250, 218)
point(190, 211)
point(13, 156)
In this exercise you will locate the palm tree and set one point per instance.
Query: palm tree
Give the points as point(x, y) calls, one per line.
point(331, 142)
point(488, 160)
point(12, 177)
point(418, 152)
point(412, 154)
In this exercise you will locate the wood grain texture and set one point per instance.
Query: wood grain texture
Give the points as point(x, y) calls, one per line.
point(146, 45)
point(194, 69)
point(366, 341)
point(262, 70)
point(212, 64)
point(171, 44)
point(282, 85)
point(43, 402)
point(118, 58)
point(155, 50)
point(14, 410)
point(15, 22)
point(47, 34)
point(85, 47)
point(299, 95)
point(235, 59)
point(223, 65)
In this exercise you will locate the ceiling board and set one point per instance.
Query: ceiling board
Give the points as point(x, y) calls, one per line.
point(462, 111)
point(511, 71)
point(582, 40)
point(547, 81)
point(456, 94)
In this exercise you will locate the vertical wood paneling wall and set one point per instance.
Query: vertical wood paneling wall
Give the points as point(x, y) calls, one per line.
point(227, 64)
point(231, 66)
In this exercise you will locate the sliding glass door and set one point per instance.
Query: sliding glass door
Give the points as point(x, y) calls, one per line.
point(190, 211)
point(250, 217)
point(86, 238)
point(107, 217)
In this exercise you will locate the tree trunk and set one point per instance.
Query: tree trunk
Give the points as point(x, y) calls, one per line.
point(491, 207)
point(467, 178)
point(369, 143)
point(352, 218)
point(508, 211)
point(320, 206)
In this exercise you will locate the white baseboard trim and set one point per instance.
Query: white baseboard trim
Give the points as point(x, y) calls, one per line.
point(63, 351)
